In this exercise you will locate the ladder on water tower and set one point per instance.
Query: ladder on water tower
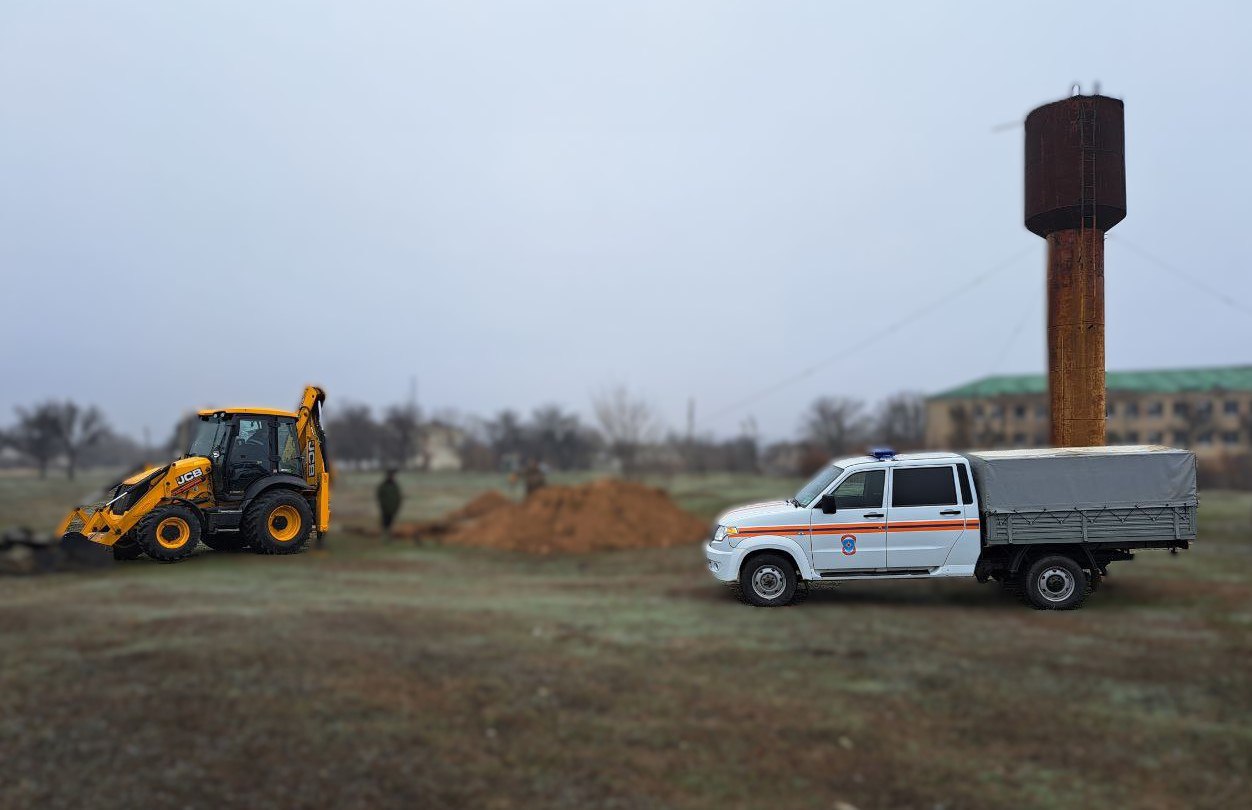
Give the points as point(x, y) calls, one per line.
point(1087, 164)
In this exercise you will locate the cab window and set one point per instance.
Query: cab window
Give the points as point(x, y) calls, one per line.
point(210, 434)
point(967, 494)
point(861, 490)
point(250, 452)
point(289, 459)
point(252, 443)
point(923, 486)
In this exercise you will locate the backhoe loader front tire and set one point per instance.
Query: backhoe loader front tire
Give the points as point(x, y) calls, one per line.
point(278, 522)
point(169, 533)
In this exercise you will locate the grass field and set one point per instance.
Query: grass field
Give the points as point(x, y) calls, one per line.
point(400, 676)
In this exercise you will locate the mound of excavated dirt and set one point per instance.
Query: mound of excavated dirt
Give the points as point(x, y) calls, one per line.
point(489, 501)
point(598, 516)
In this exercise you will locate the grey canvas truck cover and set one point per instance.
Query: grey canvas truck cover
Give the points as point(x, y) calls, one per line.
point(1141, 496)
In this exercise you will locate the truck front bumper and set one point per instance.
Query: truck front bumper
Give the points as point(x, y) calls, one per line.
point(723, 562)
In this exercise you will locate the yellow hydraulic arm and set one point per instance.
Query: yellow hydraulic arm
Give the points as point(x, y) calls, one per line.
point(313, 440)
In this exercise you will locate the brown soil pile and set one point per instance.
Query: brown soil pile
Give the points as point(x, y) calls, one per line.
point(489, 501)
point(598, 516)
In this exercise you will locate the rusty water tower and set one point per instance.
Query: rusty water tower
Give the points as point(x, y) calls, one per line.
point(1075, 191)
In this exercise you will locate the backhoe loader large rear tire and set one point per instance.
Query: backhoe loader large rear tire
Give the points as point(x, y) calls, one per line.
point(169, 533)
point(278, 522)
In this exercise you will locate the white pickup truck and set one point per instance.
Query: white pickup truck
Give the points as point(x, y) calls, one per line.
point(1045, 523)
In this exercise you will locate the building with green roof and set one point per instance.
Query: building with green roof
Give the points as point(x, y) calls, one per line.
point(1206, 409)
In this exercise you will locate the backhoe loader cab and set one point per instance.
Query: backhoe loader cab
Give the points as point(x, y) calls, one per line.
point(250, 478)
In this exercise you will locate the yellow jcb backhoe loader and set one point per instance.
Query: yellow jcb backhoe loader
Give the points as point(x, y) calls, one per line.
point(250, 478)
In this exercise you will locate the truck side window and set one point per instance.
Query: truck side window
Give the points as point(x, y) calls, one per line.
point(923, 486)
point(861, 490)
point(967, 495)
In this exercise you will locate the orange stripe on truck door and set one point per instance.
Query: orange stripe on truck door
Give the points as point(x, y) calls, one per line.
point(830, 528)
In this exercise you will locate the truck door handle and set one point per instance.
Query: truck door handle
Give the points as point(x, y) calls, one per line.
point(950, 512)
point(873, 514)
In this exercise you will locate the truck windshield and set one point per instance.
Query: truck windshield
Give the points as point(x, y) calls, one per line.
point(809, 492)
point(207, 437)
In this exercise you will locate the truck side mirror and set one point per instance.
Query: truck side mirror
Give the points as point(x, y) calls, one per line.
point(828, 505)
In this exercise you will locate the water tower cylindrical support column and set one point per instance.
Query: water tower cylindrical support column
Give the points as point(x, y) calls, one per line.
point(1076, 337)
point(1075, 191)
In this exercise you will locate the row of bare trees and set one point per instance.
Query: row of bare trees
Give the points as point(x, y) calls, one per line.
point(626, 432)
point(394, 439)
point(55, 431)
point(840, 425)
point(550, 434)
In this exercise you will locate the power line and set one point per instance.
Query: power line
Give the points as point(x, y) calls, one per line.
point(871, 338)
point(1012, 339)
point(1182, 274)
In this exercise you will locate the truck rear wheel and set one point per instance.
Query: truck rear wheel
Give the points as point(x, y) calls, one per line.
point(1056, 582)
point(169, 533)
point(768, 581)
point(278, 522)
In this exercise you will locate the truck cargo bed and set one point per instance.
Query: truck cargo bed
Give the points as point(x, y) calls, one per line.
point(1142, 496)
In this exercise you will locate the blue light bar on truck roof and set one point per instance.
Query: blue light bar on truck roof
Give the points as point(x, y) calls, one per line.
point(882, 453)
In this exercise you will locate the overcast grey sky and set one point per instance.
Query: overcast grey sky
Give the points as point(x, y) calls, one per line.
point(523, 202)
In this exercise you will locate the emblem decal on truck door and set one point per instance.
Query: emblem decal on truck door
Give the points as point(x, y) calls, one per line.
point(848, 541)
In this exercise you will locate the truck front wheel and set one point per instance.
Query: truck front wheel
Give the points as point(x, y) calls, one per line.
point(1056, 582)
point(768, 581)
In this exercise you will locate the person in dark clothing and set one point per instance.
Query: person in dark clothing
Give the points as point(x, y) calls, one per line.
point(533, 477)
point(389, 499)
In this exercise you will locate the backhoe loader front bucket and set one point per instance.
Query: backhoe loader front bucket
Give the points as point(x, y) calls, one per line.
point(77, 549)
point(79, 552)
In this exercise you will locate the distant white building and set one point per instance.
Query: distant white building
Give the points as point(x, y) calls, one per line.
point(440, 448)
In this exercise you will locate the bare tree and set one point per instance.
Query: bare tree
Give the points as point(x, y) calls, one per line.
point(559, 437)
point(628, 423)
point(35, 435)
point(835, 424)
point(114, 450)
point(901, 421)
point(506, 435)
point(403, 426)
point(76, 429)
point(358, 438)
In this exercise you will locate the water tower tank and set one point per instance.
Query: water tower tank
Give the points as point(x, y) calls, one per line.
point(1075, 165)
